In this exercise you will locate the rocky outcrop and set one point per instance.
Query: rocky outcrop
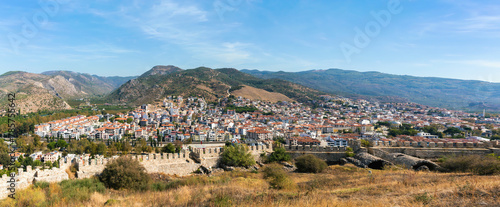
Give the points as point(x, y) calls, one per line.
point(411, 162)
point(407, 161)
point(371, 161)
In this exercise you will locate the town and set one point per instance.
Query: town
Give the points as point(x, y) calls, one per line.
point(330, 122)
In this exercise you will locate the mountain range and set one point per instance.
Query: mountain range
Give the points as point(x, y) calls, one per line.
point(212, 84)
point(50, 90)
point(437, 92)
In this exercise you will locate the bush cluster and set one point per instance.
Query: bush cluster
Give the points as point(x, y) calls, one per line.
point(278, 155)
point(481, 165)
point(125, 173)
point(278, 177)
point(237, 155)
point(310, 164)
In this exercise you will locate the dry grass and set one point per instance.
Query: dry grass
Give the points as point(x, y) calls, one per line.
point(336, 186)
point(259, 94)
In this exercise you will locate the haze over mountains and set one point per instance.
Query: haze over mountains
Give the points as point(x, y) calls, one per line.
point(438, 92)
point(51, 89)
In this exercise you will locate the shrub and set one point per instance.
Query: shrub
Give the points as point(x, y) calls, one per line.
point(278, 177)
point(30, 197)
point(310, 163)
point(237, 155)
point(111, 202)
point(481, 165)
point(423, 198)
point(41, 184)
point(125, 173)
point(169, 148)
point(349, 152)
point(278, 155)
point(80, 190)
point(366, 143)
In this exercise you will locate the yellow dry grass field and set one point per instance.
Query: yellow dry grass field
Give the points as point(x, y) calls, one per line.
point(259, 94)
point(337, 186)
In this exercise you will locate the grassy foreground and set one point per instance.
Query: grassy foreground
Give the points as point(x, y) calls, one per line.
point(336, 186)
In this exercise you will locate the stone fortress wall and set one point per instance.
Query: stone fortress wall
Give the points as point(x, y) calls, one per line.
point(329, 154)
point(23, 179)
point(434, 150)
point(424, 150)
point(491, 144)
point(181, 164)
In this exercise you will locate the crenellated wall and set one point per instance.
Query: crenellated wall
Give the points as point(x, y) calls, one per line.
point(434, 150)
point(492, 144)
point(23, 179)
point(169, 163)
point(212, 154)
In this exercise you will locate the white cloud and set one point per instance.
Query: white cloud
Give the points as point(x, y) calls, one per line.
point(481, 63)
point(184, 24)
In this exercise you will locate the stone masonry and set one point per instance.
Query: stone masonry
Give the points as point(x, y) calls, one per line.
point(181, 164)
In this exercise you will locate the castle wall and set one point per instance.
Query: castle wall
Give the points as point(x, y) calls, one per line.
point(169, 163)
point(329, 154)
point(434, 150)
point(23, 179)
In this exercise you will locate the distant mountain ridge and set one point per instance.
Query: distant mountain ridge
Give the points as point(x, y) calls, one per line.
point(51, 89)
point(211, 84)
point(91, 84)
point(438, 92)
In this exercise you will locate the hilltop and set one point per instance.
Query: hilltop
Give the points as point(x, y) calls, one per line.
point(161, 70)
point(438, 92)
point(211, 84)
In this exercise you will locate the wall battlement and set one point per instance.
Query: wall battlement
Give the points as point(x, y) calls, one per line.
point(168, 163)
point(315, 148)
point(215, 152)
point(435, 144)
point(25, 178)
point(354, 144)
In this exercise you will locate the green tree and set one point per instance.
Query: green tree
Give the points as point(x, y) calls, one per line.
point(48, 164)
point(125, 173)
point(4, 159)
point(365, 143)
point(61, 143)
point(452, 131)
point(279, 154)
point(37, 163)
point(237, 155)
point(36, 141)
point(169, 148)
point(101, 148)
point(51, 146)
point(28, 161)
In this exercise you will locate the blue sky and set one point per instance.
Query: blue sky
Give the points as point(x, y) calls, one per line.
point(440, 38)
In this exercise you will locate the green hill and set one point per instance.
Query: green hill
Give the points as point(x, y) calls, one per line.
point(208, 83)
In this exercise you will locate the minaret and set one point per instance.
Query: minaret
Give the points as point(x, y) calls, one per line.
point(484, 112)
